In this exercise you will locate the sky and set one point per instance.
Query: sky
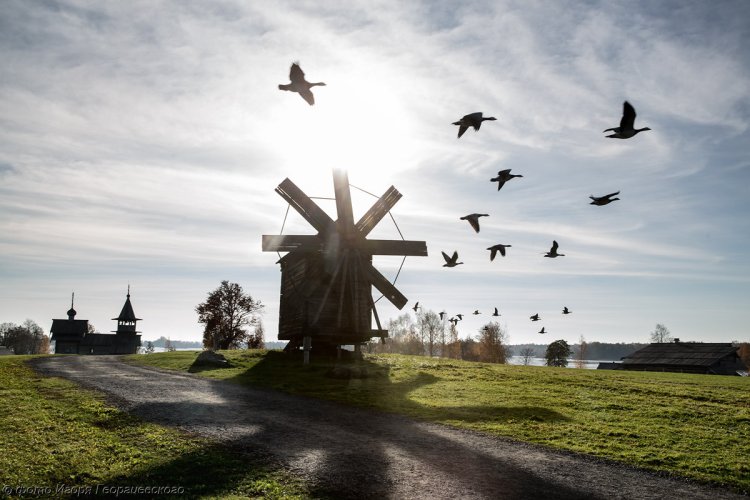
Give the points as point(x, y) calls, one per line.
point(141, 143)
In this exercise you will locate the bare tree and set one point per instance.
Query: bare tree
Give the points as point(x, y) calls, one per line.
point(527, 353)
point(582, 352)
point(169, 346)
point(493, 343)
point(453, 348)
point(430, 330)
point(256, 340)
point(661, 335)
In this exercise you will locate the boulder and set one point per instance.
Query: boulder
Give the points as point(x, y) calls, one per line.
point(212, 359)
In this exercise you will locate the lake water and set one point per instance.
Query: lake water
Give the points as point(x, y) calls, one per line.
point(589, 364)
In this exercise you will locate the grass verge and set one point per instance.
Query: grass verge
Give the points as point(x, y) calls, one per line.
point(59, 440)
point(696, 426)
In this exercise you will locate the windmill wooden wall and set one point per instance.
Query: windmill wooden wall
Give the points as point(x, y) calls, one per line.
point(306, 283)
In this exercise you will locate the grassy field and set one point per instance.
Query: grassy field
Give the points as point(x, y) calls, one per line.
point(59, 440)
point(696, 426)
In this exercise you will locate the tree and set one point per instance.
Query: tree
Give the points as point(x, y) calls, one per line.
point(453, 348)
point(582, 353)
point(28, 338)
point(91, 328)
point(557, 353)
point(492, 343)
point(661, 335)
point(168, 346)
point(227, 312)
point(526, 354)
point(430, 329)
point(149, 347)
point(255, 341)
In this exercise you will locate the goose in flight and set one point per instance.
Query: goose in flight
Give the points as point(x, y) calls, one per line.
point(603, 200)
point(416, 306)
point(476, 311)
point(299, 84)
point(474, 220)
point(553, 251)
point(627, 129)
point(442, 315)
point(471, 120)
point(497, 248)
point(460, 317)
point(542, 330)
point(496, 313)
point(535, 317)
point(566, 310)
point(504, 176)
point(452, 260)
point(454, 321)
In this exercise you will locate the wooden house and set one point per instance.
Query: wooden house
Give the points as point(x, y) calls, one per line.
point(686, 357)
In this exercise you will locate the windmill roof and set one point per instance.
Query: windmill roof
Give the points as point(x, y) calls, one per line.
point(127, 313)
point(681, 354)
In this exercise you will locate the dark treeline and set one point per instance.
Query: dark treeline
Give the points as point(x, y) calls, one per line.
point(594, 350)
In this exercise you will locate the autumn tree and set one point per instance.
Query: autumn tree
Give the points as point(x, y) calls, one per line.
point(27, 338)
point(582, 352)
point(453, 347)
point(661, 335)
point(226, 314)
point(493, 342)
point(558, 353)
point(256, 339)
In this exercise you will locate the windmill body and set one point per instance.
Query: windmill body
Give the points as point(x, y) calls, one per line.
point(327, 278)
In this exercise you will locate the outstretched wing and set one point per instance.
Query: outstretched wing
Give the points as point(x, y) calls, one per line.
point(447, 259)
point(462, 127)
point(493, 253)
point(611, 194)
point(296, 75)
point(307, 96)
point(628, 117)
point(554, 247)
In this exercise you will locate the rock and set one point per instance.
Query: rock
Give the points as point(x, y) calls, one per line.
point(211, 358)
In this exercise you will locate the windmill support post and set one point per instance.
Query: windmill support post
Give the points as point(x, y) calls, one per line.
point(327, 278)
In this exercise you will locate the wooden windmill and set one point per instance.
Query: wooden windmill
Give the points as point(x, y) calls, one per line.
point(327, 278)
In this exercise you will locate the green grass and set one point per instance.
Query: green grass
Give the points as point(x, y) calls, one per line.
point(55, 435)
point(696, 426)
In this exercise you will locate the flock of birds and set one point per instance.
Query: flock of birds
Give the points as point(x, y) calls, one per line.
point(626, 130)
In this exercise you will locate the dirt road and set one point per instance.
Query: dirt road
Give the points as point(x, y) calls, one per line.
point(356, 453)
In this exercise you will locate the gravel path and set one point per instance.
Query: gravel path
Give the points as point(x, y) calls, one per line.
point(357, 453)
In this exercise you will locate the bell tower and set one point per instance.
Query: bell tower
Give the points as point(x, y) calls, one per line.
point(126, 321)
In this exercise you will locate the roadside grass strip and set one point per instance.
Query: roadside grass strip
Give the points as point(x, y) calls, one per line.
point(59, 440)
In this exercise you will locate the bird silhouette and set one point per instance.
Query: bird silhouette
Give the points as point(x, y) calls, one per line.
point(471, 120)
point(504, 176)
point(566, 310)
point(535, 317)
point(454, 321)
point(473, 219)
point(497, 248)
point(603, 200)
point(476, 311)
point(452, 260)
point(442, 315)
point(496, 313)
point(553, 251)
point(460, 317)
point(299, 84)
point(627, 129)
point(542, 330)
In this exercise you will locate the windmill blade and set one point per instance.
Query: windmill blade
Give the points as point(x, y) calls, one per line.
point(376, 213)
point(307, 208)
point(343, 201)
point(384, 286)
point(395, 247)
point(290, 242)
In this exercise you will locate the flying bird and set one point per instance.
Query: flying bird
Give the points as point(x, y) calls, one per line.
point(603, 200)
point(454, 321)
point(566, 310)
point(474, 220)
point(476, 311)
point(416, 306)
point(535, 317)
point(299, 84)
point(553, 251)
point(471, 120)
point(496, 313)
point(442, 315)
point(460, 317)
point(497, 248)
point(542, 330)
point(452, 260)
point(627, 129)
point(504, 176)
